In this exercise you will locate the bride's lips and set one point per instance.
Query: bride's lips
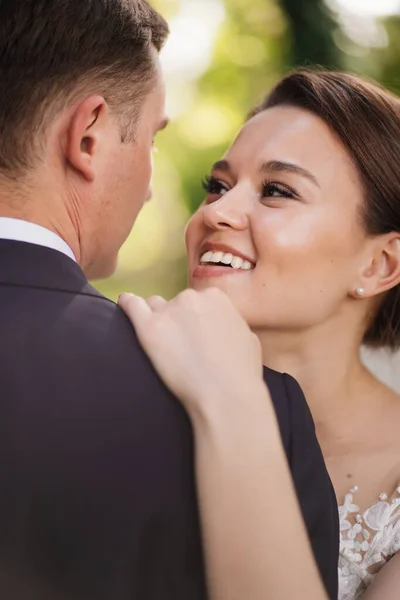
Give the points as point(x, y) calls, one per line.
point(210, 270)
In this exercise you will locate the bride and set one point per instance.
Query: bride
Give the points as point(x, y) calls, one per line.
point(300, 229)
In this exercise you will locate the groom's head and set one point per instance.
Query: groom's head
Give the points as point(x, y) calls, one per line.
point(81, 99)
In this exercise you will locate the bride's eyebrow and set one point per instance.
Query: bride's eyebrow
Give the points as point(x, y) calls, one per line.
point(278, 166)
point(222, 165)
point(271, 166)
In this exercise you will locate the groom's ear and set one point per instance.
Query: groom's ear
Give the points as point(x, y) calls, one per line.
point(88, 127)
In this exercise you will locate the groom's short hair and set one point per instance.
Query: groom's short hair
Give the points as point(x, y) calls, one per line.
point(54, 52)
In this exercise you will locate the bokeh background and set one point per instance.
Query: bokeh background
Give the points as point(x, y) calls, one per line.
point(221, 58)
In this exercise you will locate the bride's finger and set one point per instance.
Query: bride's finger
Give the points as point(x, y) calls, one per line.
point(156, 303)
point(137, 310)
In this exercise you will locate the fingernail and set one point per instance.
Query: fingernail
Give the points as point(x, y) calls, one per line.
point(123, 295)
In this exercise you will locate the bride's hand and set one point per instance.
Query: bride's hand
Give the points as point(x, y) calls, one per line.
point(200, 346)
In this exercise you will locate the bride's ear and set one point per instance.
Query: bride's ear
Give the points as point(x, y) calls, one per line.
point(382, 272)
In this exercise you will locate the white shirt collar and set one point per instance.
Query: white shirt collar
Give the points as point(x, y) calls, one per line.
point(24, 231)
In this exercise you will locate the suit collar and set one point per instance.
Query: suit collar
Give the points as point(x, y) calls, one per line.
point(30, 265)
point(19, 230)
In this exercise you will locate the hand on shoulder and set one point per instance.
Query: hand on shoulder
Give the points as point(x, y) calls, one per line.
point(199, 344)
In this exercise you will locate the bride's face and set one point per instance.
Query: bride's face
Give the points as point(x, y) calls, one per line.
point(283, 209)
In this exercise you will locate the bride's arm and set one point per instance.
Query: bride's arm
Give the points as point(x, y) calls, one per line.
point(256, 547)
point(255, 540)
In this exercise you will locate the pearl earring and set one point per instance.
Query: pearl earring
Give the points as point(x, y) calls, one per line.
point(360, 291)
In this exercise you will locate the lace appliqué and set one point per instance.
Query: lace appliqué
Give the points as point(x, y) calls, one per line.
point(367, 541)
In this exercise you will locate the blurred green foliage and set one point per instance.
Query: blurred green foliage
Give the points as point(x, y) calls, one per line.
point(256, 42)
point(311, 28)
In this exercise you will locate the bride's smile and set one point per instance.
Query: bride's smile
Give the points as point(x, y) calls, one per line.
point(218, 259)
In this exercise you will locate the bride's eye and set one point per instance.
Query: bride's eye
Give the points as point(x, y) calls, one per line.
point(271, 189)
point(214, 187)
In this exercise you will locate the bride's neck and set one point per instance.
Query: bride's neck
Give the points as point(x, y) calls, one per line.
point(327, 365)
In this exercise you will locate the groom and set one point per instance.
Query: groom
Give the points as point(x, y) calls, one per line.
point(97, 492)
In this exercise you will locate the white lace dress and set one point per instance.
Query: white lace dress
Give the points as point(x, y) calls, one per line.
point(367, 541)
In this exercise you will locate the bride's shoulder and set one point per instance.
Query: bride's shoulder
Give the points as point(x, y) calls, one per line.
point(387, 417)
point(385, 394)
point(390, 398)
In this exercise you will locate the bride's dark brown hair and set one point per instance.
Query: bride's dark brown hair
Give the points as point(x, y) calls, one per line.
point(366, 118)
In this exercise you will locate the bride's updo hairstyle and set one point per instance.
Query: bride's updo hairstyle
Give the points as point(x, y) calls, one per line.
point(366, 118)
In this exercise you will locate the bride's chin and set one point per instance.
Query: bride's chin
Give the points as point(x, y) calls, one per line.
point(199, 284)
point(234, 295)
point(222, 283)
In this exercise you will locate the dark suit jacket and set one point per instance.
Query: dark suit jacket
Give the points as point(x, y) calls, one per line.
point(97, 493)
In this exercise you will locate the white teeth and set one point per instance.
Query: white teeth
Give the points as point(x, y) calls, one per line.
point(236, 262)
point(206, 257)
point(216, 257)
point(226, 259)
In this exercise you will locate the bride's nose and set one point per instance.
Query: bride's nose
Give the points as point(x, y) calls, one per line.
point(230, 211)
